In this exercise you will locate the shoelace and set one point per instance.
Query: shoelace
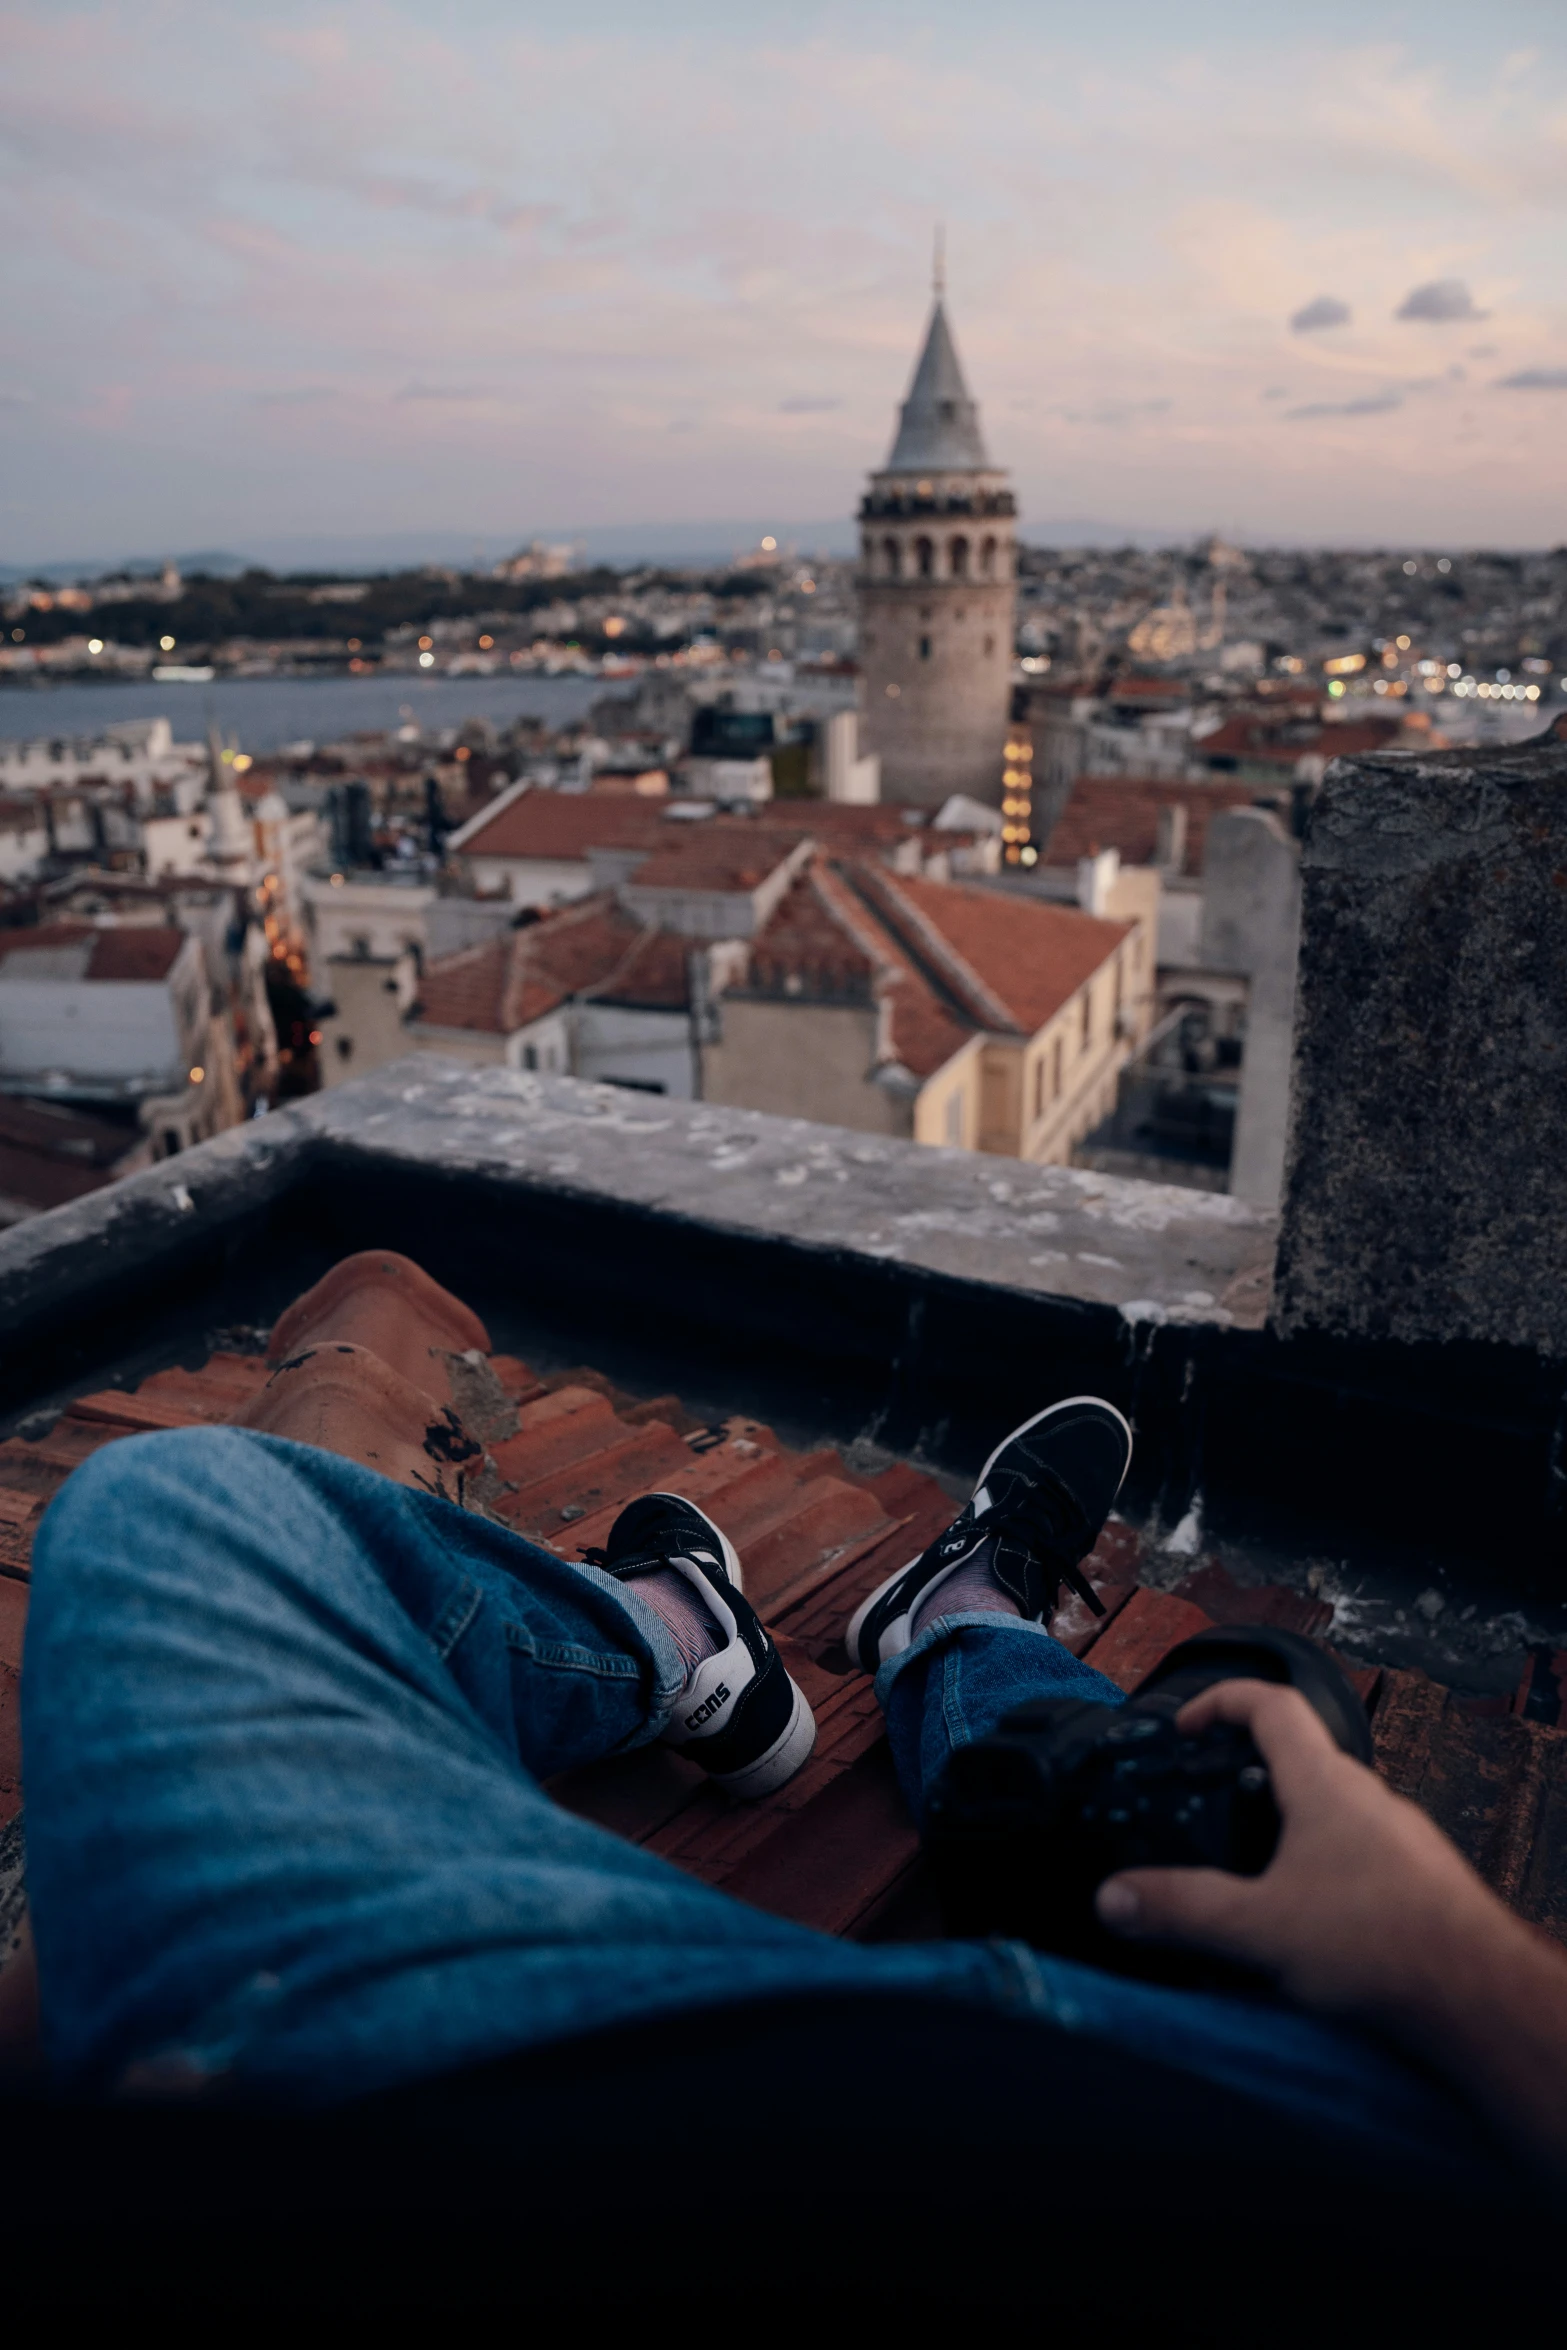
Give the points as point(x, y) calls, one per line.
point(1045, 1519)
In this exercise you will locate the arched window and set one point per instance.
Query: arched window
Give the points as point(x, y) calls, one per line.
point(893, 555)
point(987, 558)
point(957, 558)
point(925, 558)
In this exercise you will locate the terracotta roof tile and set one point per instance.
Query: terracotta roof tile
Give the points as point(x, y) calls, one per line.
point(717, 856)
point(593, 948)
point(1027, 958)
point(564, 825)
point(1122, 812)
point(136, 951)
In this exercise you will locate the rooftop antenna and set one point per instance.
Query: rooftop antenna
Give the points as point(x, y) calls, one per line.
point(938, 274)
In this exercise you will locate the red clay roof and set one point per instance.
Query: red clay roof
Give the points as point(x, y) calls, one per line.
point(1281, 740)
point(949, 961)
point(713, 854)
point(593, 948)
point(1122, 812)
point(50, 1154)
point(1026, 957)
point(565, 825)
point(135, 951)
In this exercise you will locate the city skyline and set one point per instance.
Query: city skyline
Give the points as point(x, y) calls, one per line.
point(339, 270)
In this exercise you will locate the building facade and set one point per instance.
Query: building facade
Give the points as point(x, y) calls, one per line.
point(937, 594)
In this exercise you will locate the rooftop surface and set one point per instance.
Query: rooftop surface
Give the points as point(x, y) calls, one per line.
point(835, 1849)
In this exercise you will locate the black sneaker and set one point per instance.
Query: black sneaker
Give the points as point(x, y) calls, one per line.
point(1041, 1499)
point(740, 1716)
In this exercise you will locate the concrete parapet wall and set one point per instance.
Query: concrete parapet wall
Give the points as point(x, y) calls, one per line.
point(1426, 1193)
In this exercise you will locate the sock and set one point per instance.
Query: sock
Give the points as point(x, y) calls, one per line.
point(973, 1585)
point(693, 1625)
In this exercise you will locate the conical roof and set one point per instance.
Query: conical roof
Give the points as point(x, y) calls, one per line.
point(938, 424)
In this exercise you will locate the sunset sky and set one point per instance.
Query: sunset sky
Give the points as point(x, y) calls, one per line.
point(497, 267)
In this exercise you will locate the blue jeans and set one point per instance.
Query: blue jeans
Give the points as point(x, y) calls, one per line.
point(284, 1725)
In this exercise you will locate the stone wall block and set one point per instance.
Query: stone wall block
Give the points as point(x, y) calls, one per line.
point(1426, 1191)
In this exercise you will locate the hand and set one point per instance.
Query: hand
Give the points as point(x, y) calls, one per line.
point(1341, 1916)
point(1366, 1912)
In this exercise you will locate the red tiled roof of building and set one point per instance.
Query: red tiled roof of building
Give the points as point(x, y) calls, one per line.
point(564, 826)
point(1280, 740)
point(1122, 812)
point(136, 951)
point(1026, 957)
point(50, 1154)
point(949, 961)
point(593, 948)
point(717, 855)
point(925, 1030)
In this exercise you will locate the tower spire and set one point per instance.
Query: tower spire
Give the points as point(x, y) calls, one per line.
point(938, 275)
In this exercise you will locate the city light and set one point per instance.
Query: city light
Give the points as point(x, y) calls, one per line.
point(425, 642)
point(243, 762)
point(427, 660)
point(1345, 665)
point(166, 644)
point(1336, 688)
point(197, 1075)
point(95, 644)
point(769, 546)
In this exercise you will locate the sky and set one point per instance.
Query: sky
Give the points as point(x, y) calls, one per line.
point(322, 272)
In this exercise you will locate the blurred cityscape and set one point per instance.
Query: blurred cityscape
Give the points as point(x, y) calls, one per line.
point(988, 844)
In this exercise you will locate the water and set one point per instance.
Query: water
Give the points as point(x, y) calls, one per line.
point(266, 712)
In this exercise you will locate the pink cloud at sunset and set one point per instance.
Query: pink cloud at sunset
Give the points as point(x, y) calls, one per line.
point(373, 267)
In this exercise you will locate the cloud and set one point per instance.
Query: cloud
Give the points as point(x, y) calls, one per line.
point(10, 397)
point(295, 396)
point(1277, 392)
point(442, 392)
point(1482, 350)
point(807, 404)
point(1117, 412)
point(1326, 310)
point(1534, 379)
point(1374, 404)
point(1442, 301)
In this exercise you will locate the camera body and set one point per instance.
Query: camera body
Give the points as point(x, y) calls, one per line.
point(1025, 1825)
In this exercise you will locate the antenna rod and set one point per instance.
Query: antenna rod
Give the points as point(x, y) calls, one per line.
point(938, 275)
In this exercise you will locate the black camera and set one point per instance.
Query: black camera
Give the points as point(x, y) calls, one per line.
point(1024, 1826)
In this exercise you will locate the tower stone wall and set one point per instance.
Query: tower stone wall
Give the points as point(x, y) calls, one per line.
point(937, 595)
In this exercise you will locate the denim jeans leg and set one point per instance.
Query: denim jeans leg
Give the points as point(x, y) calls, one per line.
point(285, 1723)
point(957, 1680)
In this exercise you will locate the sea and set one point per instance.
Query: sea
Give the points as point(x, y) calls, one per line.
point(265, 713)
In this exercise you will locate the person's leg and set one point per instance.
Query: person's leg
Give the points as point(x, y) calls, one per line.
point(284, 1722)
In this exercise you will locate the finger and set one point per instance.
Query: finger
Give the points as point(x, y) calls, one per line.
point(1205, 1907)
point(1291, 1737)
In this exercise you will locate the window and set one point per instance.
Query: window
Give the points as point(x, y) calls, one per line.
point(1118, 991)
point(1039, 1087)
point(1058, 1060)
point(987, 558)
point(957, 558)
point(530, 1056)
point(925, 558)
point(1088, 1019)
point(892, 555)
point(990, 646)
point(345, 1048)
point(955, 1117)
point(924, 648)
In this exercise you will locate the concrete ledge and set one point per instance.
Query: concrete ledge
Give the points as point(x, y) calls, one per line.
point(1156, 1253)
point(843, 1287)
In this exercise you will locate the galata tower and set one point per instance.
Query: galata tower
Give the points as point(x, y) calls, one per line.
point(937, 592)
